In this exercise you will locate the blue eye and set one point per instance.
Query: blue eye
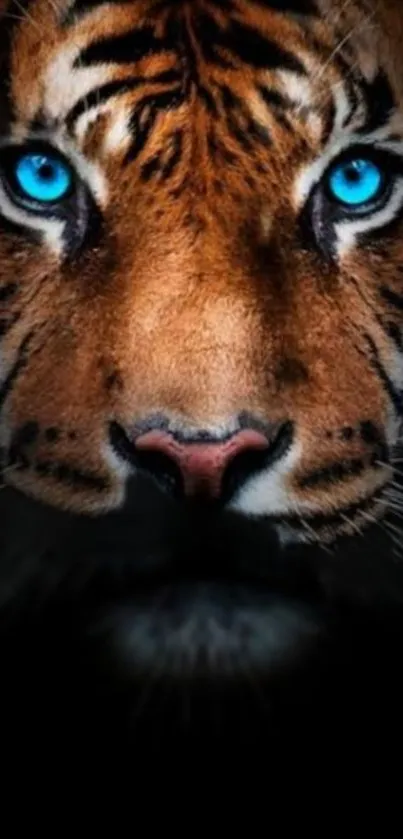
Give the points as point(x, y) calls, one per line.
point(43, 177)
point(356, 182)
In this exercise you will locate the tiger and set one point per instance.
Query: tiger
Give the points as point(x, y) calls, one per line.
point(201, 360)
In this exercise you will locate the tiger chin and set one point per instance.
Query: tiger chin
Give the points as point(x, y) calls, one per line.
point(201, 365)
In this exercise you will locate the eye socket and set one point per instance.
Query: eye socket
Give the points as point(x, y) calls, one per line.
point(42, 177)
point(39, 187)
point(356, 182)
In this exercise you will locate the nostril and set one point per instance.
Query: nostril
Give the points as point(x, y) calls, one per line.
point(155, 463)
point(163, 469)
point(250, 462)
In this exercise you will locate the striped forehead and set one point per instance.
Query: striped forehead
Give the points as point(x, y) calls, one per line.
point(103, 58)
point(134, 62)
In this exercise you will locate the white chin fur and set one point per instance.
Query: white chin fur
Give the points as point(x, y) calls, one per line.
point(206, 631)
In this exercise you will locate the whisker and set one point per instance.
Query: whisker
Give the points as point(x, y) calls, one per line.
point(351, 524)
point(55, 6)
point(7, 469)
point(27, 16)
point(309, 529)
point(10, 16)
point(342, 43)
point(315, 536)
point(397, 507)
point(394, 497)
point(389, 466)
point(383, 525)
point(396, 487)
point(394, 529)
point(333, 16)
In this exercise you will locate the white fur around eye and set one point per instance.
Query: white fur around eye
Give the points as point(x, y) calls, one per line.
point(89, 173)
point(51, 228)
point(310, 174)
point(348, 229)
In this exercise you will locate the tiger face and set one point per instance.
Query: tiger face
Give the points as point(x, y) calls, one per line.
point(201, 300)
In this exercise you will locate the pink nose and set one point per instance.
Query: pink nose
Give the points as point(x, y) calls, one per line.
point(202, 464)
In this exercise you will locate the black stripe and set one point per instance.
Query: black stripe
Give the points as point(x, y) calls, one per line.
point(151, 168)
point(328, 519)
point(246, 129)
point(274, 99)
point(352, 98)
point(217, 149)
point(256, 131)
point(60, 472)
point(394, 395)
point(18, 365)
point(351, 81)
point(392, 297)
point(230, 99)
point(245, 44)
point(238, 133)
point(394, 333)
point(176, 154)
point(65, 474)
point(279, 105)
point(141, 129)
point(127, 48)
point(289, 7)
point(224, 5)
point(379, 101)
point(9, 21)
point(208, 99)
point(7, 323)
point(328, 117)
point(99, 95)
point(7, 291)
point(178, 39)
point(333, 473)
point(208, 34)
point(339, 516)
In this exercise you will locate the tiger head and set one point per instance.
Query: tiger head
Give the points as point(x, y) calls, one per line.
point(201, 270)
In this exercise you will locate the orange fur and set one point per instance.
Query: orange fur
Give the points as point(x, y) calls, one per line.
point(201, 298)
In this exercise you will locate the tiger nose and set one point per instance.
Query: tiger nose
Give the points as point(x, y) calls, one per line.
point(201, 467)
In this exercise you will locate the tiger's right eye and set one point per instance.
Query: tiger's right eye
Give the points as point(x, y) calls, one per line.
point(38, 178)
point(42, 192)
point(42, 178)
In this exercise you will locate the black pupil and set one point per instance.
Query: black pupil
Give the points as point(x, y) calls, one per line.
point(46, 171)
point(352, 173)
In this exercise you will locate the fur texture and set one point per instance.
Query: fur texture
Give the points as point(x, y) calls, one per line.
point(199, 279)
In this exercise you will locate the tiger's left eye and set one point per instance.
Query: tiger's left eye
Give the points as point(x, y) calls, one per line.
point(356, 182)
point(42, 178)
